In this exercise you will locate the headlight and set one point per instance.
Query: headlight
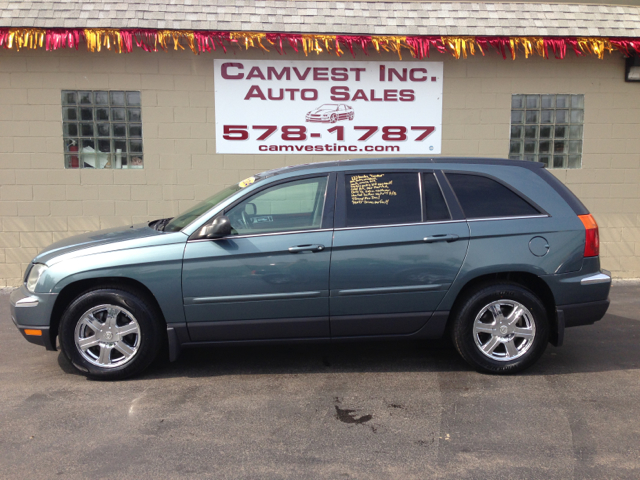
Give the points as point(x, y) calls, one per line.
point(34, 275)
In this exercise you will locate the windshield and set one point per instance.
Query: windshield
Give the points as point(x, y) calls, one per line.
point(328, 106)
point(181, 221)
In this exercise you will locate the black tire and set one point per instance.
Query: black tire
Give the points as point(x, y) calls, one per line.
point(130, 309)
point(503, 298)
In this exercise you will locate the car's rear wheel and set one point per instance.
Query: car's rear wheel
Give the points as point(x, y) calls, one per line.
point(500, 328)
point(351, 115)
point(110, 333)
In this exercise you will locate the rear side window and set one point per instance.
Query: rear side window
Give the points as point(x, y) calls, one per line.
point(481, 197)
point(435, 206)
point(382, 199)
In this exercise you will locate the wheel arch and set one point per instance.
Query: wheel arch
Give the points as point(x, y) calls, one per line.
point(526, 279)
point(74, 289)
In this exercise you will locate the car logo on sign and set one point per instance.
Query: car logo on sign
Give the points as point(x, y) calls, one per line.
point(330, 113)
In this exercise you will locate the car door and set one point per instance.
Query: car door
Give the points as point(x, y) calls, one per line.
point(270, 278)
point(396, 250)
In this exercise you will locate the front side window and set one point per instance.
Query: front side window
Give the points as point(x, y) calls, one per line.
point(547, 129)
point(482, 197)
point(291, 206)
point(102, 129)
point(382, 199)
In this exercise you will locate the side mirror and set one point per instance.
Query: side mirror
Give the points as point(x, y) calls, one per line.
point(220, 227)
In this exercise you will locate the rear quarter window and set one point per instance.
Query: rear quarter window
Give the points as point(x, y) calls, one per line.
point(482, 197)
point(435, 206)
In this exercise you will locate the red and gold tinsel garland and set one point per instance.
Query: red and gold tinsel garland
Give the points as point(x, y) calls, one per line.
point(200, 41)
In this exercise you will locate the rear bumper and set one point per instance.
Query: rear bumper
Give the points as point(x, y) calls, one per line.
point(583, 313)
point(590, 283)
point(570, 292)
point(588, 313)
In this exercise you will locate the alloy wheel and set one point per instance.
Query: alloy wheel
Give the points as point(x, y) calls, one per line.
point(504, 330)
point(107, 336)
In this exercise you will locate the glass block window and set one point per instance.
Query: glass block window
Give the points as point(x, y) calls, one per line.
point(547, 129)
point(102, 129)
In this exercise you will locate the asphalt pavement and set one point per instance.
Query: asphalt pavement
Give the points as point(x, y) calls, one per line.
point(347, 411)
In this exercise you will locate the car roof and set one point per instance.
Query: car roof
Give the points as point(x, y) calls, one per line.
point(405, 160)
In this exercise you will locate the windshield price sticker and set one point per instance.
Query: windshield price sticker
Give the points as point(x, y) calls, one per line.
point(309, 107)
point(246, 182)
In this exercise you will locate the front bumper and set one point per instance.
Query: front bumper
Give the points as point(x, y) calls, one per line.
point(31, 313)
point(318, 120)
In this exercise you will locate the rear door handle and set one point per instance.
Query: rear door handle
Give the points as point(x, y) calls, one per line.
point(306, 248)
point(443, 237)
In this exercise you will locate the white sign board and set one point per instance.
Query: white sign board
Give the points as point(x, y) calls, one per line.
point(317, 107)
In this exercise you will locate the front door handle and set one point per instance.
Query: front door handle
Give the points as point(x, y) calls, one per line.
point(306, 248)
point(443, 237)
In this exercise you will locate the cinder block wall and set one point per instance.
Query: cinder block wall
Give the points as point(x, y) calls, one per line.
point(41, 202)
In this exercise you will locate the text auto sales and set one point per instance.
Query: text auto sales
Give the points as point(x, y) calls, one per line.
point(236, 71)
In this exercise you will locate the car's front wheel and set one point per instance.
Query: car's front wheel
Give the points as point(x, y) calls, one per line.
point(501, 328)
point(110, 334)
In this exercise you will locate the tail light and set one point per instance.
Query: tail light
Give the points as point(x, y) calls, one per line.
point(592, 243)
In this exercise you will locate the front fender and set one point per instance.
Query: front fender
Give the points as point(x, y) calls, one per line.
point(157, 267)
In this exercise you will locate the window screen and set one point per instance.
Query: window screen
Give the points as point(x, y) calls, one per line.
point(435, 206)
point(482, 197)
point(383, 199)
